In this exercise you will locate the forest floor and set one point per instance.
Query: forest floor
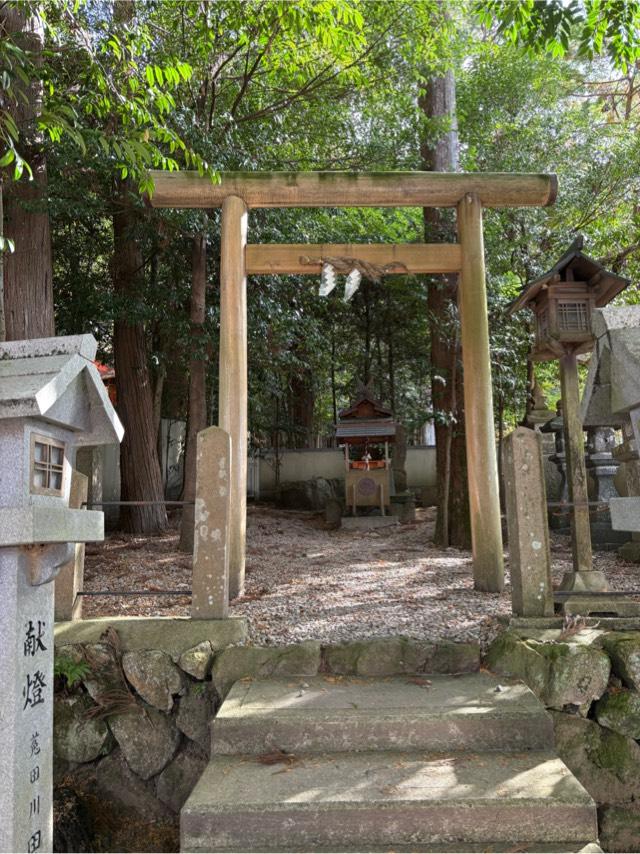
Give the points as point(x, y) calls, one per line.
point(307, 582)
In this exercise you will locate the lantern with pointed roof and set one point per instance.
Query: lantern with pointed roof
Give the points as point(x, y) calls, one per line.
point(563, 300)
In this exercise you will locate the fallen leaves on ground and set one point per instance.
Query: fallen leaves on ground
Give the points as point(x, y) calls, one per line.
point(305, 582)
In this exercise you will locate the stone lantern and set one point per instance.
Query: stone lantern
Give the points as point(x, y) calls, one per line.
point(52, 401)
point(563, 300)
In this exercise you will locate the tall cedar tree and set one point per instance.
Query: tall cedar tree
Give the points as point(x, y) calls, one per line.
point(28, 271)
point(439, 153)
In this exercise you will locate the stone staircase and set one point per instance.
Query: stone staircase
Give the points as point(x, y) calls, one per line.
point(424, 763)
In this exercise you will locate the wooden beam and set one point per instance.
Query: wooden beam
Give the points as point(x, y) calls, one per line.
point(291, 258)
point(482, 464)
point(232, 394)
point(353, 189)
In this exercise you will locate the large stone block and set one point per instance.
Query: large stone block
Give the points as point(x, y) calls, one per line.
point(605, 762)
point(116, 782)
point(197, 661)
point(389, 801)
point(620, 828)
point(148, 739)
point(560, 674)
point(176, 782)
point(243, 662)
point(195, 711)
point(624, 651)
point(77, 737)
point(172, 635)
point(391, 656)
point(620, 711)
point(154, 676)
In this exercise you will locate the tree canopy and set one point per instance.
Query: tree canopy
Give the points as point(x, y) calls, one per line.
point(317, 84)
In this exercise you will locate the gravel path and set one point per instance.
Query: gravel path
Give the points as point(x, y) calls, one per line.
point(306, 582)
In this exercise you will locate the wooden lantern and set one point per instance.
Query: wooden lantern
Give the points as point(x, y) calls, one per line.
point(563, 300)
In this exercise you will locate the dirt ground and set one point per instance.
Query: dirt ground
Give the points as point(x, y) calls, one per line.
point(306, 582)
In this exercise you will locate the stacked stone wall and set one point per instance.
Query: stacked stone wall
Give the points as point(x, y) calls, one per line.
point(590, 682)
point(131, 734)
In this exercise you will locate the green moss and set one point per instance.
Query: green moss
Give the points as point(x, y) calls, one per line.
point(620, 711)
point(612, 752)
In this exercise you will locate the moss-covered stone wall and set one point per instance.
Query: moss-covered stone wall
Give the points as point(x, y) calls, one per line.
point(590, 681)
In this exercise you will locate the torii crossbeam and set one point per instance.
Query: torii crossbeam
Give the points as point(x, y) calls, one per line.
point(237, 192)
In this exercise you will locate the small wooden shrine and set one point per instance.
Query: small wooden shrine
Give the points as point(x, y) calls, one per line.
point(365, 429)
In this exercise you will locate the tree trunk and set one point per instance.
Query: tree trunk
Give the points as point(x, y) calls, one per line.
point(366, 367)
point(301, 407)
point(197, 413)
point(28, 272)
point(334, 390)
point(438, 101)
point(141, 479)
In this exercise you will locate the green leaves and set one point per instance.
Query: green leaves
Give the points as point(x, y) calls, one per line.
point(590, 27)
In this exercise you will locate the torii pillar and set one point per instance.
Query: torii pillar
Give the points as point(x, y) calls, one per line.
point(237, 192)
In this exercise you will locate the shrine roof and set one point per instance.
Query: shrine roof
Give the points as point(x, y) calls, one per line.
point(365, 399)
point(366, 428)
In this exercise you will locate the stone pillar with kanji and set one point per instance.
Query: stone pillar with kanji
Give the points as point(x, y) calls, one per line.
point(52, 401)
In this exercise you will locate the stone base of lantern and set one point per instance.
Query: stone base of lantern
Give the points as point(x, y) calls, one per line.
point(603, 604)
point(591, 581)
point(631, 550)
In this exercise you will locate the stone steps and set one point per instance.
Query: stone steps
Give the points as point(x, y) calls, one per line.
point(426, 763)
point(436, 713)
point(342, 801)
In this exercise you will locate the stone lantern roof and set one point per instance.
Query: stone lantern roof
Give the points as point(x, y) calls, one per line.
point(56, 380)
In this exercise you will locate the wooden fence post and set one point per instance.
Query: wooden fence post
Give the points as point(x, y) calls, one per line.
point(484, 493)
point(212, 517)
point(68, 605)
point(232, 400)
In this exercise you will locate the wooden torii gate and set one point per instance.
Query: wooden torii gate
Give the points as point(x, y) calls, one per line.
point(238, 192)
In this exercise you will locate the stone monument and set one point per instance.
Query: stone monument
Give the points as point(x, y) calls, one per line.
point(602, 467)
point(627, 455)
point(52, 401)
point(612, 396)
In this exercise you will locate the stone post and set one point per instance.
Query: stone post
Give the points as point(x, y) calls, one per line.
point(211, 544)
point(526, 504)
point(68, 605)
point(26, 709)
